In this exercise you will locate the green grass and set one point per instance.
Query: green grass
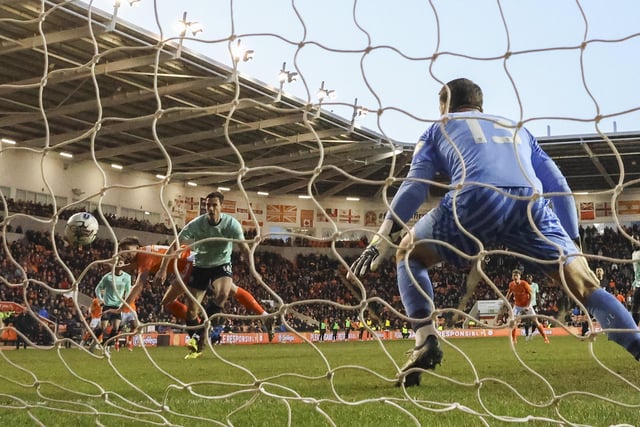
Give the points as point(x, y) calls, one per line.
point(345, 384)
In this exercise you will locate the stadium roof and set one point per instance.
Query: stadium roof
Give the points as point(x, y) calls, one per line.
point(201, 129)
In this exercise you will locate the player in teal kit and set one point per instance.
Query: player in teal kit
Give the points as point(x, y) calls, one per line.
point(212, 236)
point(111, 291)
point(498, 176)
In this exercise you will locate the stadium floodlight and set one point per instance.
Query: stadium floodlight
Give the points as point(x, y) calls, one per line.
point(192, 184)
point(262, 193)
point(325, 93)
point(112, 24)
point(353, 199)
point(116, 5)
point(240, 53)
point(285, 76)
point(224, 189)
point(66, 154)
point(358, 111)
point(194, 27)
point(116, 166)
point(8, 141)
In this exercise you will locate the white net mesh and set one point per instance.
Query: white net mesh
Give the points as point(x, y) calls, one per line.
point(85, 84)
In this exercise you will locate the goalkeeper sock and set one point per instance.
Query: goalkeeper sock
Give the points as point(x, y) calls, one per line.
point(611, 314)
point(423, 332)
point(248, 301)
point(414, 302)
point(177, 309)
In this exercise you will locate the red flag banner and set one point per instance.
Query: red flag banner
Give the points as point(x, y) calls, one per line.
point(178, 206)
point(349, 216)
point(603, 209)
point(587, 210)
point(282, 213)
point(306, 218)
point(321, 216)
point(628, 207)
point(245, 215)
point(258, 209)
point(229, 206)
point(370, 218)
point(191, 203)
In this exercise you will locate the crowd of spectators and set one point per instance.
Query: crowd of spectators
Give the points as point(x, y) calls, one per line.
point(305, 242)
point(39, 275)
point(46, 210)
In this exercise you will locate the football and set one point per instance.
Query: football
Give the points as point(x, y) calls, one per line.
point(81, 229)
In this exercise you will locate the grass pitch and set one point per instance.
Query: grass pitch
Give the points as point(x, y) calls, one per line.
point(481, 382)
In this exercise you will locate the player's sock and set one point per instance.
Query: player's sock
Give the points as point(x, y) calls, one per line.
point(612, 315)
point(177, 309)
point(415, 303)
point(248, 301)
point(213, 308)
point(195, 332)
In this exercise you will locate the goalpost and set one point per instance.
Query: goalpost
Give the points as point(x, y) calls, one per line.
point(391, 84)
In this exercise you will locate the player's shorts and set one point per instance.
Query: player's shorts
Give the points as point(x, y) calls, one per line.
point(128, 316)
point(185, 271)
point(523, 311)
point(95, 322)
point(496, 218)
point(202, 277)
point(110, 315)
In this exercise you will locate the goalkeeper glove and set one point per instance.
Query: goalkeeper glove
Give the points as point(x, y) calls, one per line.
point(377, 250)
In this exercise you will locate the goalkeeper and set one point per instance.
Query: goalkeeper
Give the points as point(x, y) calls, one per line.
point(498, 176)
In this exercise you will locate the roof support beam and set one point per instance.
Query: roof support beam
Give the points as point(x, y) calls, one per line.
point(212, 134)
point(115, 100)
point(370, 170)
point(302, 168)
point(35, 42)
point(170, 116)
point(70, 74)
point(596, 162)
point(304, 157)
point(326, 175)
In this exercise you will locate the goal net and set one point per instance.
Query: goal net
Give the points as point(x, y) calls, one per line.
point(305, 116)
